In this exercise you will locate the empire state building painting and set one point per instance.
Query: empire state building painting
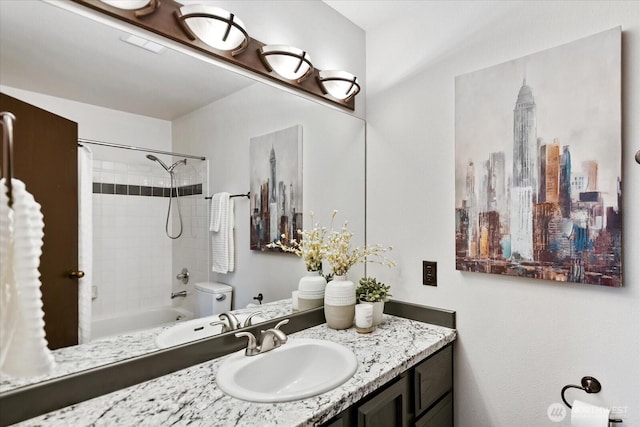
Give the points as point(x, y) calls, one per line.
point(538, 165)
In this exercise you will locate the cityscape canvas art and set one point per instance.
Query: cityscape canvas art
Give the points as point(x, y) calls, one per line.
point(276, 187)
point(538, 165)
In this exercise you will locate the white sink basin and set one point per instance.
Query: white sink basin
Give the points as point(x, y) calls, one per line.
point(196, 329)
point(298, 369)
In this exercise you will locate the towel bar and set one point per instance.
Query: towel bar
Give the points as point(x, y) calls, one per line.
point(590, 385)
point(248, 195)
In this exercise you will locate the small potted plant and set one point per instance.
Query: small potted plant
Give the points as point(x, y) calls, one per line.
point(371, 291)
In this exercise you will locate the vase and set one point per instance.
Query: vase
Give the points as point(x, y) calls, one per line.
point(340, 303)
point(378, 310)
point(311, 291)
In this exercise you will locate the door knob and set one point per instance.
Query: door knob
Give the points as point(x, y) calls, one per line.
point(79, 274)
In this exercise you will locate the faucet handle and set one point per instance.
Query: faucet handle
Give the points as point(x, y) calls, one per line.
point(247, 321)
point(275, 335)
point(220, 323)
point(276, 329)
point(272, 338)
point(252, 345)
point(232, 321)
point(281, 323)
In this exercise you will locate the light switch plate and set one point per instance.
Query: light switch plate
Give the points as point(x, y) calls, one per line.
point(429, 273)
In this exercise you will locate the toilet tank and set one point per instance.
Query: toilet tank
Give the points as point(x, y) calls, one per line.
point(212, 298)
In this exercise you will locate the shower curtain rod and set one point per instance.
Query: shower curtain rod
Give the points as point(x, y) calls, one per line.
point(145, 150)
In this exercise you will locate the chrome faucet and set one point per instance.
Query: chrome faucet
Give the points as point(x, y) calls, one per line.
point(248, 322)
point(183, 276)
point(178, 294)
point(232, 322)
point(269, 339)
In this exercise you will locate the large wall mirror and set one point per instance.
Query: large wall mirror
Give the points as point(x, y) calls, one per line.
point(83, 68)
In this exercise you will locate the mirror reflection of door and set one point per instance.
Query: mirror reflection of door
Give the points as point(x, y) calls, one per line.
point(45, 159)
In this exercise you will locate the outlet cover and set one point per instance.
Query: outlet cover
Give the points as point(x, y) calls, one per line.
point(429, 273)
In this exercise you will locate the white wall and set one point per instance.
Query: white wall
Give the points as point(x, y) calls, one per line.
point(104, 124)
point(520, 341)
point(333, 174)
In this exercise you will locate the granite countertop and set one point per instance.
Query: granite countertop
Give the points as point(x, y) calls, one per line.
point(191, 397)
point(116, 348)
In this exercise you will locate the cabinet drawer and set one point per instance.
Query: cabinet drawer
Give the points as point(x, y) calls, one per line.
point(433, 378)
point(441, 415)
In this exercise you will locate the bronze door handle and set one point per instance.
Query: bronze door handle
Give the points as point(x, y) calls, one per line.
point(79, 274)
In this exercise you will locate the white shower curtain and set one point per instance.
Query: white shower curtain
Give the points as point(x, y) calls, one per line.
point(85, 242)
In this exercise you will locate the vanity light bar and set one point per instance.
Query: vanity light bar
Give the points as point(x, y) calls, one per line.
point(222, 35)
point(141, 7)
point(214, 26)
point(339, 84)
point(288, 62)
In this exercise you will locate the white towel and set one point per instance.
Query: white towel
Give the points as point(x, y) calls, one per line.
point(7, 278)
point(85, 242)
point(24, 347)
point(232, 226)
point(221, 226)
point(218, 203)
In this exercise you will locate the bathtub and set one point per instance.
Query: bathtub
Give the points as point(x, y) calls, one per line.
point(129, 322)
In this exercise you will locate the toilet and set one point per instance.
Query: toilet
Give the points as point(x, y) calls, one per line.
point(212, 298)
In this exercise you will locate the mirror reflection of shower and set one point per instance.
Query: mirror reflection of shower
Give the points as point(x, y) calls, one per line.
point(172, 176)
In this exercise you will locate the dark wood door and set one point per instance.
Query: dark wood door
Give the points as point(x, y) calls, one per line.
point(45, 159)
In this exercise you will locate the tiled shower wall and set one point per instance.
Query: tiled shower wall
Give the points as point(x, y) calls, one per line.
point(191, 250)
point(132, 265)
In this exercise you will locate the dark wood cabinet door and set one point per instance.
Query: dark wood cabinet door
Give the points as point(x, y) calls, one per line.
point(433, 378)
point(441, 415)
point(45, 159)
point(390, 407)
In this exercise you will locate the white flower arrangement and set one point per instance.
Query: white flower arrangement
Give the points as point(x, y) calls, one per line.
point(310, 247)
point(341, 256)
point(337, 251)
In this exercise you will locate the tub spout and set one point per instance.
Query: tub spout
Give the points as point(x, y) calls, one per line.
point(178, 294)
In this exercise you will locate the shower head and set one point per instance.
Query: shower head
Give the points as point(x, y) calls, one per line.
point(167, 168)
point(155, 159)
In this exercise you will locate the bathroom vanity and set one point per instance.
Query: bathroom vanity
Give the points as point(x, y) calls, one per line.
point(404, 375)
point(420, 396)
